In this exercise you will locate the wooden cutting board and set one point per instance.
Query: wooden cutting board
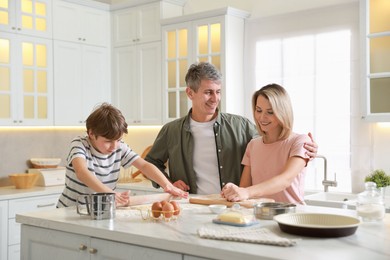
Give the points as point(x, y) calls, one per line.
point(217, 199)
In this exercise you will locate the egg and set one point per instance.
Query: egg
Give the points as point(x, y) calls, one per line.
point(176, 208)
point(156, 209)
point(168, 210)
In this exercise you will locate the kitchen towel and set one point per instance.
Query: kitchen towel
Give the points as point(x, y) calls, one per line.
point(253, 234)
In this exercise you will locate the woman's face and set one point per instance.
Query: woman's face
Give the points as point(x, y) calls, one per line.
point(265, 116)
point(104, 145)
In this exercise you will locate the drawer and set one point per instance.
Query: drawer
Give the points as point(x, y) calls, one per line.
point(32, 204)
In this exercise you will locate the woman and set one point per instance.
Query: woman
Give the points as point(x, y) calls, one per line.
point(275, 162)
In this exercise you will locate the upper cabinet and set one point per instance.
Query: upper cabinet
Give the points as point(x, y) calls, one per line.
point(216, 37)
point(137, 60)
point(376, 59)
point(26, 69)
point(28, 17)
point(81, 24)
point(82, 65)
point(136, 25)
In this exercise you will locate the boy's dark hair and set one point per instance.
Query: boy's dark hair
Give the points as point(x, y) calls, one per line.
point(107, 121)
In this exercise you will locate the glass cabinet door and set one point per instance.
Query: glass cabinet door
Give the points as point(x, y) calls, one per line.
point(30, 17)
point(377, 38)
point(177, 61)
point(25, 80)
point(208, 39)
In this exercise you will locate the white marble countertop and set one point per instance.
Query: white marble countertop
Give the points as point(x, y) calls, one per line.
point(371, 240)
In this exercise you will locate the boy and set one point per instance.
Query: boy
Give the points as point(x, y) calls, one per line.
point(94, 161)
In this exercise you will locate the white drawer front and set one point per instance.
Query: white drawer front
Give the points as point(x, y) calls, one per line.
point(32, 204)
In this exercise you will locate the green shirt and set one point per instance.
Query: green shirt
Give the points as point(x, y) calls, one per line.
point(175, 144)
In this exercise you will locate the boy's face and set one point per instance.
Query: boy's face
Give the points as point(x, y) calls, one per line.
point(104, 145)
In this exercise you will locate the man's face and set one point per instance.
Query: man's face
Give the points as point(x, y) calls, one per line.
point(205, 101)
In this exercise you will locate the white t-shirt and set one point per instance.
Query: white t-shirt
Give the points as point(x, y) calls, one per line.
point(205, 157)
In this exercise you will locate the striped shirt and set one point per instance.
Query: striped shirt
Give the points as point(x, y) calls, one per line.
point(106, 167)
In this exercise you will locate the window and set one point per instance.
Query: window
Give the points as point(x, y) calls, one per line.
point(315, 70)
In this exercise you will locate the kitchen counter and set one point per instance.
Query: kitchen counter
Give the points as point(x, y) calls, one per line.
point(10, 192)
point(371, 240)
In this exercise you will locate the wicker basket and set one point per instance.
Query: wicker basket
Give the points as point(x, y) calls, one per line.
point(24, 180)
point(42, 163)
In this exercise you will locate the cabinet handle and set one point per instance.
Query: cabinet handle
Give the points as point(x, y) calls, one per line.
point(45, 205)
point(13, 28)
point(84, 39)
point(82, 247)
point(19, 29)
point(80, 39)
point(92, 250)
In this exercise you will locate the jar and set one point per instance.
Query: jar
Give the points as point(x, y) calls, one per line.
point(370, 205)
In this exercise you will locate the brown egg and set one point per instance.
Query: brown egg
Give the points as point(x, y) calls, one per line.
point(156, 209)
point(168, 210)
point(176, 208)
point(163, 202)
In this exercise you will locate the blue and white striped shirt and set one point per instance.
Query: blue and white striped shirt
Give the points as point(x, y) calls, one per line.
point(105, 167)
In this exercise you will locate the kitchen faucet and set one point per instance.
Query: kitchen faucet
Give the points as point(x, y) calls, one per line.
point(327, 182)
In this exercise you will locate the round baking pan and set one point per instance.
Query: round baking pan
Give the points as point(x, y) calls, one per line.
point(317, 224)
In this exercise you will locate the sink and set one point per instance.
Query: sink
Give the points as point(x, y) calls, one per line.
point(338, 200)
point(332, 199)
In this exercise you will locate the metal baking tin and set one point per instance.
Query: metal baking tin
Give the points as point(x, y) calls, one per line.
point(267, 210)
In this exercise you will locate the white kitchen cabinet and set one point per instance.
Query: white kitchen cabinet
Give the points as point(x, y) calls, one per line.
point(137, 80)
point(82, 80)
point(137, 59)
point(10, 230)
point(215, 36)
point(375, 28)
point(26, 17)
point(38, 243)
point(26, 80)
point(4, 229)
point(136, 25)
point(141, 24)
point(81, 24)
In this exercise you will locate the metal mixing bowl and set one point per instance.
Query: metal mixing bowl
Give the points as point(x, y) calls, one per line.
point(267, 210)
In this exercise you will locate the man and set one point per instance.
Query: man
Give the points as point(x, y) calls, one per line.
point(204, 149)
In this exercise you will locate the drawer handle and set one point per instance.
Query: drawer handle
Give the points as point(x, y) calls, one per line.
point(45, 205)
point(92, 250)
point(82, 247)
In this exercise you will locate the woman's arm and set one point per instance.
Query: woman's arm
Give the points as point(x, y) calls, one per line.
point(276, 184)
point(246, 179)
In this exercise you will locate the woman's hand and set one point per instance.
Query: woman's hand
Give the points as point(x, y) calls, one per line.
point(232, 192)
point(122, 198)
point(175, 191)
point(311, 147)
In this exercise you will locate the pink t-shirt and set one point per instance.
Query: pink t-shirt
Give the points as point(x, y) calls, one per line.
point(268, 160)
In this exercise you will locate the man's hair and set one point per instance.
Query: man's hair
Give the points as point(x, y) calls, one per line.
point(107, 121)
point(202, 71)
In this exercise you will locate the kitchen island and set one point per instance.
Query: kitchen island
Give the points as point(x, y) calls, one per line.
point(63, 234)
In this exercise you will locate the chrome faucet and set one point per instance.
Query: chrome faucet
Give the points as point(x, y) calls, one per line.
point(327, 182)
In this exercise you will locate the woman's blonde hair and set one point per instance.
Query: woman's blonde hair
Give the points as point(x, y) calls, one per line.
point(281, 106)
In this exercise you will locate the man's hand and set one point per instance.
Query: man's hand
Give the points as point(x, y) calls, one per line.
point(311, 147)
point(181, 185)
